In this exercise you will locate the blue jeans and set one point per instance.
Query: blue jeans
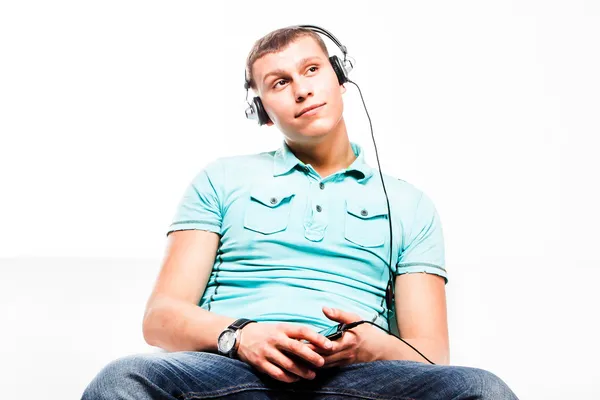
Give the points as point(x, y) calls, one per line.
point(199, 375)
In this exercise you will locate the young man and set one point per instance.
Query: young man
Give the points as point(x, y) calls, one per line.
point(267, 249)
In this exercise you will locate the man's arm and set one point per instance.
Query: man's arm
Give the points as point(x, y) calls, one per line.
point(422, 319)
point(173, 320)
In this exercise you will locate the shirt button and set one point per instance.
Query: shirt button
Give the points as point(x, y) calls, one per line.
point(321, 185)
point(364, 213)
point(319, 208)
point(273, 200)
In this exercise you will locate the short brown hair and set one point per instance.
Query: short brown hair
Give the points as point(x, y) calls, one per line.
point(275, 41)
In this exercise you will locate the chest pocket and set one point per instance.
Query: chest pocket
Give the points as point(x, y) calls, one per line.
point(269, 210)
point(366, 223)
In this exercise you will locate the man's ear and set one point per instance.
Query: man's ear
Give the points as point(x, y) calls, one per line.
point(342, 89)
point(269, 123)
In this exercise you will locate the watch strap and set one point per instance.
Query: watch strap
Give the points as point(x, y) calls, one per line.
point(239, 323)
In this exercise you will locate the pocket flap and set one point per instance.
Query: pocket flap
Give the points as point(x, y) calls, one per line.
point(366, 209)
point(270, 196)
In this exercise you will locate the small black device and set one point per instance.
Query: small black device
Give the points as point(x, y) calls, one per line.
point(333, 332)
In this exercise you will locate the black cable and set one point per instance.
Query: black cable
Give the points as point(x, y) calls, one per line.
point(390, 286)
point(351, 325)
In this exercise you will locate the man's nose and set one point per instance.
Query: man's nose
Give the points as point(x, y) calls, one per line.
point(303, 89)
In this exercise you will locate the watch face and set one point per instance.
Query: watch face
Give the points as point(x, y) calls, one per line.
point(226, 341)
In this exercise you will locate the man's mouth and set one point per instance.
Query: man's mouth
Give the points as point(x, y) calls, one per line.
point(310, 110)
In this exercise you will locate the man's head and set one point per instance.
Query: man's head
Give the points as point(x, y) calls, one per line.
point(289, 70)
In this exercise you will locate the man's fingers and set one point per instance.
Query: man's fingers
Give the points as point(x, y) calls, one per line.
point(302, 332)
point(283, 361)
point(321, 351)
point(278, 373)
point(333, 365)
point(337, 359)
point(314, 348)
point(301, 350)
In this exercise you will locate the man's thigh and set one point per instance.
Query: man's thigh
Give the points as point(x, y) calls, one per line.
point(402, 379)
point(176, 375)
point(198, 375)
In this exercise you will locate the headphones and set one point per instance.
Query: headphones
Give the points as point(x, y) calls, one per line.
point(342, 69)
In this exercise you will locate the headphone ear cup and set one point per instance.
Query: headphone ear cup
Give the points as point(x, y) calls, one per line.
point(263, 117)
point(339, 69)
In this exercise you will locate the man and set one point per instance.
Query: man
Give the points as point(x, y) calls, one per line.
point(294, 241)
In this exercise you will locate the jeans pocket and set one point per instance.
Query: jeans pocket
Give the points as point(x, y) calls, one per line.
point(268, 211)
point(366, 223)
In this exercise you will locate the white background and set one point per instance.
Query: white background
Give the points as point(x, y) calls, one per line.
point(108, 109)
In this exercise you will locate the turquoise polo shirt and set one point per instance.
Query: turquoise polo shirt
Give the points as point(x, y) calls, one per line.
point(292, 241)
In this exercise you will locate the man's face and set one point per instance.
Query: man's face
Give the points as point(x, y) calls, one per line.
point(303, 77)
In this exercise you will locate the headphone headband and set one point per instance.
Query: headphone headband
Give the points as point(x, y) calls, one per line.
point(328, 34)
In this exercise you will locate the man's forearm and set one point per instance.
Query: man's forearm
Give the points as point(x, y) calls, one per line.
point(175, 325)
point(434, 350)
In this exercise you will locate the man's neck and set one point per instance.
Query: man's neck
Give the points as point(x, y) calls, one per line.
point(329, 155)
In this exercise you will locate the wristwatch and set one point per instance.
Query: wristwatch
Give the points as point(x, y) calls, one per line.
point(228, 341)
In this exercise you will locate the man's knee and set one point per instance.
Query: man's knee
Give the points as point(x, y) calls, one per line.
point(124, 376)
point(481, 384)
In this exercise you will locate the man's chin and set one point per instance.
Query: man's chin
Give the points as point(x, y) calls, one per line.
point(307, 137)
point(316, 128)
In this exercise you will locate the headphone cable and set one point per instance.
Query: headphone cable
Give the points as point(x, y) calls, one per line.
point(390, 287)
point(351, 325)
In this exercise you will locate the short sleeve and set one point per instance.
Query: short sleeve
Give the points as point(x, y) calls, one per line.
point(199, 208)
point(423, 250)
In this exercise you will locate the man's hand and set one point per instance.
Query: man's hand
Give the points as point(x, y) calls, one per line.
point(364, 343)
point(278, 350)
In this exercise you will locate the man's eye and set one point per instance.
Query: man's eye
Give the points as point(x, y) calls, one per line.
point(283, 80)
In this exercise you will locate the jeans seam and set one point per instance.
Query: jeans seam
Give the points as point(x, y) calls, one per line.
point(224, 391)
point(253, 386)
point(352, 393)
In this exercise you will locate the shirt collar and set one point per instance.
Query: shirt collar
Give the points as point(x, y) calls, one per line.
point(284, 160)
